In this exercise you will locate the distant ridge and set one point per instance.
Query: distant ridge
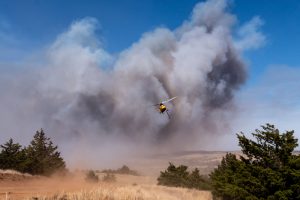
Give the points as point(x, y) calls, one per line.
point(190, 152)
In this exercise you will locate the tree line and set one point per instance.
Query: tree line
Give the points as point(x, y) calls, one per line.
point(268, 169)
point(40, 157)
point(123, 170)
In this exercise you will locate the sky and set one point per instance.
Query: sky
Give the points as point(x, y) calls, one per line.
point(30, 25)
point(270, 93)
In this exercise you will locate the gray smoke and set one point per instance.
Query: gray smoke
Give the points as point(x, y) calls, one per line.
point(87, 99)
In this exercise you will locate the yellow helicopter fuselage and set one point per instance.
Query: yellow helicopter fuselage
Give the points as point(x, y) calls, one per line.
point(162, 108)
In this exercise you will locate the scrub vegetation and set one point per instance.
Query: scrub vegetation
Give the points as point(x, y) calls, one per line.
point(268, 169)
point(123, 170)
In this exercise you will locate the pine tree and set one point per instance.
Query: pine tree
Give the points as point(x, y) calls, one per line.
point(174, 176)
point(268, 169)
point(181, 177)
point(43, 156)
point(12, 156)
point(198, 181)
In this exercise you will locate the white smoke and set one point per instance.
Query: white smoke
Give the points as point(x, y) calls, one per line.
point(90, 101)
point(249, 35)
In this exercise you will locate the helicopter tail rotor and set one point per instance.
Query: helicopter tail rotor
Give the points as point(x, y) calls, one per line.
point(168, 114)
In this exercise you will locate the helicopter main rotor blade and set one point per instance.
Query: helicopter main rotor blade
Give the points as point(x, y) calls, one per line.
point(169, 100)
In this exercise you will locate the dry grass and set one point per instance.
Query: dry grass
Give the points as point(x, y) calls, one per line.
point(127, 187)
point(139, 192)
point(22, 186)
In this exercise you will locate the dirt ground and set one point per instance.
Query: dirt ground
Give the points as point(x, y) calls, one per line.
point(18, 186)
point(22, 187)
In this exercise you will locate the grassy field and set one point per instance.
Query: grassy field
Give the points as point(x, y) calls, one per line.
point(125, 188)
point(130, 192)
point(16, 186)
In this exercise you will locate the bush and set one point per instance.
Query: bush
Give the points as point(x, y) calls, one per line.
point(91, 177)
point(109, 178)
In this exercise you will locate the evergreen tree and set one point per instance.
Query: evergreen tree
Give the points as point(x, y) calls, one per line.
point(174, 176)
point(12, 156)
point(180, 177)
point(268, 169)
point(197, 181)
point(44, 159)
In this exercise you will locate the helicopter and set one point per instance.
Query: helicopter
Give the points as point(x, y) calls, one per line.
point(163, 108)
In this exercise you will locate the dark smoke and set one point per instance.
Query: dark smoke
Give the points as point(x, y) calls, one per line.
point(224, 79)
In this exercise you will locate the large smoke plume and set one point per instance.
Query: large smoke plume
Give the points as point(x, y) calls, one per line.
point(87, 99)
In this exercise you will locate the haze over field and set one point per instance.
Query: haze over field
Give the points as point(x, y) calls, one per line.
point(97, 105)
